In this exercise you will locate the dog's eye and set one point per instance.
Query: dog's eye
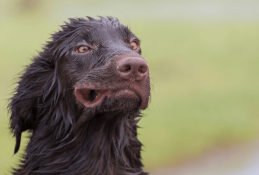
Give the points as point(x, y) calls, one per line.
point(133, 45)
point(82, 49)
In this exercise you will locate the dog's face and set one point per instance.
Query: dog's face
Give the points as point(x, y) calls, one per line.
point(102, 62)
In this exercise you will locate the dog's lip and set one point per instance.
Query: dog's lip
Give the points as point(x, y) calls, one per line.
point(126, 93)
point(82, 94)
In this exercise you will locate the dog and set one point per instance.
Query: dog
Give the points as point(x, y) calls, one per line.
point(81, 98)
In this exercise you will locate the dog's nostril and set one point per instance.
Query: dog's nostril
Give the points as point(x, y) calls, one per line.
point(125, 68)
point(142, 69)
point(128, 68)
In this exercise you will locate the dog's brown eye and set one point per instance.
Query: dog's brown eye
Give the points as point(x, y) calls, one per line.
point(134, 45)
point(83, 49)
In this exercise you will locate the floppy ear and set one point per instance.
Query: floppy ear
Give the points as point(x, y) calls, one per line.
point(38, 101)
point(24, 103)
point(41, 101)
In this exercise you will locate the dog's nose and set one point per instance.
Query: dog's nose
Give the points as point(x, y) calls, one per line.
point(134, 68)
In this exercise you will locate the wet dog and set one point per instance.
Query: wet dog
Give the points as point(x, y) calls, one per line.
point(81, 98)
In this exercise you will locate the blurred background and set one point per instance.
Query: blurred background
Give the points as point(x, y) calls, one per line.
point(203, 58)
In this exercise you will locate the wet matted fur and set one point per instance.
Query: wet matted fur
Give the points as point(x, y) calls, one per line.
point(81, 98)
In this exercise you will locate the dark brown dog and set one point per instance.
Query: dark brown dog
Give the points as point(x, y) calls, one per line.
point(80, 99)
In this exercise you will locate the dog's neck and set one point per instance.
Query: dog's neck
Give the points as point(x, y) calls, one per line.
point(106, 144)
point(111, 139)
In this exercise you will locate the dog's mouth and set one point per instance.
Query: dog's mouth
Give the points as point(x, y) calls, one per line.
point(94, 97)
point(90, 97)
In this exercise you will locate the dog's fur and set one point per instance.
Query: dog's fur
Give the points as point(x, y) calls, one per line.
point(69, 137)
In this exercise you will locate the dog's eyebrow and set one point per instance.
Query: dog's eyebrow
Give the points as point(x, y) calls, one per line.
point(134, 39)
point(83, 42)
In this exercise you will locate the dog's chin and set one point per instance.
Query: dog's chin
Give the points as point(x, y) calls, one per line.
point(121, 104)
point(122, 100)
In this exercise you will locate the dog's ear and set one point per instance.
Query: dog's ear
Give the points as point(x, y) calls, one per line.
point(38, 101)
point(40, 98)
point(25, 101)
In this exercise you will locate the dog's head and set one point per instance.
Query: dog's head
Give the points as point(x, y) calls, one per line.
point(90, 64)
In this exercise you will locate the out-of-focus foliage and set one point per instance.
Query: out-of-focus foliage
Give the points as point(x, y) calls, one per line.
point(204, 72)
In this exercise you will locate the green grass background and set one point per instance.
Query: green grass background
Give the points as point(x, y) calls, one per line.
point(204, 79)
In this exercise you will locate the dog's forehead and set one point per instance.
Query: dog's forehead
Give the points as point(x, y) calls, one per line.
point(103, 32)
